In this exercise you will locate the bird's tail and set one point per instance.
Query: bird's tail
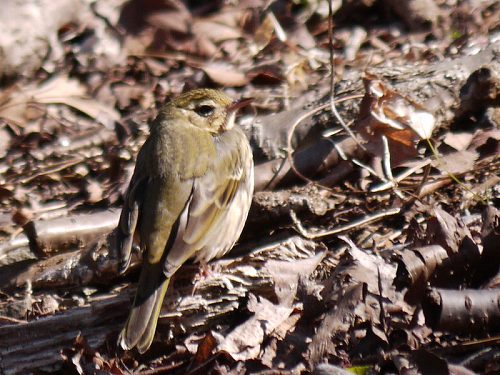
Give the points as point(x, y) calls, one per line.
point(139, 330)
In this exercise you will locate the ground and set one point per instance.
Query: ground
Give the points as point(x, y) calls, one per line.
point(372, 241)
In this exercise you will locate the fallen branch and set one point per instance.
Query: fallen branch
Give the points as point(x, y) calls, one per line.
point(463, 311)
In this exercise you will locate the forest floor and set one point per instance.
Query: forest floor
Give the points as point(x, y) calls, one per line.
point(372, 243)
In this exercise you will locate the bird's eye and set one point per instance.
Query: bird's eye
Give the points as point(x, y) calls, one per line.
point(204, 110)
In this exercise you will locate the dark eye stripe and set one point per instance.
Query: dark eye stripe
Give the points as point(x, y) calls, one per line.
point(204, 110)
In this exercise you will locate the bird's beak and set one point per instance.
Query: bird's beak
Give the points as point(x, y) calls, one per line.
point(231, 111)
point(237, 104)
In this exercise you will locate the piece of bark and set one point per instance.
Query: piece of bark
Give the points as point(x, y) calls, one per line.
point(84, 140)
point(432, 264)
point(314, 159)
point(92, 265)
point(463, 311)
point(490, 235)
point(271, 206)
point(51, 236)
point(15, 250)
point(45, 236)
point(38, 344)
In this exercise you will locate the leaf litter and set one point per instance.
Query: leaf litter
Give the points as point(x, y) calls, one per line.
point(373, 258)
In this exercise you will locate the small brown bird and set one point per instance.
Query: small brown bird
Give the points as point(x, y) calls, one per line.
point(188, 198)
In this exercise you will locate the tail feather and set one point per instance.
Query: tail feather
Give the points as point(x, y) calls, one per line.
point(139, 330)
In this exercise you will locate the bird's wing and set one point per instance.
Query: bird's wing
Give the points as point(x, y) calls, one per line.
point(152, 205)
point(160, 209)
point(218, 206)
point(158, 201)
point(130, 214)
point(163, 201)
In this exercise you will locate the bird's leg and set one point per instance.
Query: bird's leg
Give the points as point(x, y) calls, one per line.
point(203, 273)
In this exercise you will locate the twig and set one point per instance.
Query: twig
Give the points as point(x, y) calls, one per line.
point(56, 167)
point(289, 148)
point(344, 228)
point(386, 164)
point(332, 79)
point(400, 177)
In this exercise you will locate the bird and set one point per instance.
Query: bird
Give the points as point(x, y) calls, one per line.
point(188, 197)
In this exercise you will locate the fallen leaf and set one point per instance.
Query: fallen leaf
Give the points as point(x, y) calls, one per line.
point(269, 28)
point(386, 113)
point(215, 31)
point(456, 162)
point(174, 16)
point(94, 191)
point(394, 110)
point(225, 74)
point(244, 341)
point(459, 141)
point(5, 140)
point(286, 275)
point(57, 90)
point(445, 230)
point(486, 142)
point(205, 349)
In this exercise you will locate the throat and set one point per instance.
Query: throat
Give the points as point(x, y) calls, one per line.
point(229, 124)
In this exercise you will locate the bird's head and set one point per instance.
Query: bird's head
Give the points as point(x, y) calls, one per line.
point(208, 109)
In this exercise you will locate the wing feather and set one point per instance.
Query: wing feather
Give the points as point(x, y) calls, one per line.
point(129, 216)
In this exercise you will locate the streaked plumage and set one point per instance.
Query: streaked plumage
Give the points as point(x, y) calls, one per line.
point(188, 198)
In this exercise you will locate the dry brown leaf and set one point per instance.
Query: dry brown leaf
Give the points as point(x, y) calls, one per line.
point(366, 267)
point(5, 140)
point(244, 341)
point(126, 93)
point(57, 90)
point(205, 349)
point(391, 109)
point(94, 191)
point(29, 32)
point(215, 31)
point(486, 142)
point(456, 162)
point(269, 28)
point(174, 16)
point(225, 74)
point(446, 230)
point(386, 113)
point(286, 275)
point(416, 267)
point(459, 141)
point(337, 321)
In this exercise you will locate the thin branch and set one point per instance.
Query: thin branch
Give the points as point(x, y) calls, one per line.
point(332, 78)
point(344, 228)
point(289, 148)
